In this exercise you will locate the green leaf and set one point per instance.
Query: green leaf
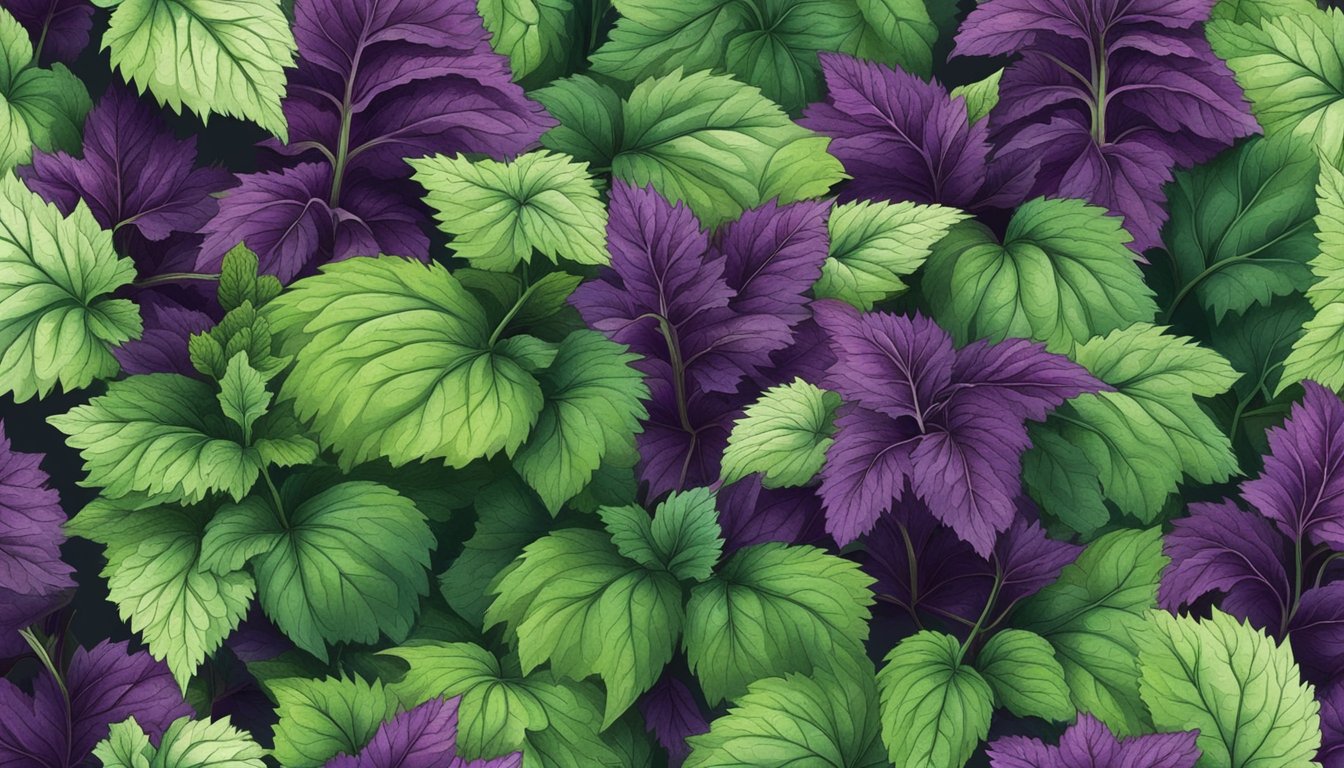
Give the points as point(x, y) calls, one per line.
point(683, 537)
point(1093, 616)
point(1291, 67)
point(56, 319)
point(320, 719)
point(554, 723)
point(573, 587)
point(783, 435)
point(186, 744)
point(1257, 343)
point(225, 57)
point(126, 746)
point(772, 46)
point(796, 720)
point(365, 327)
point(702, 138)
point(243, 396)
point(1239, 687)
point(155, 576)
point(1026, 678)
point(875, 244)
point(1253, 11)
point(239, 281)
point(348, 564)
point(163, 434)
point(536, 35)
point(1141, 438)
point(1063, 274)
point(42, 108)
point(981, 96)
point(498, 212)
point(935, 709)
point(1241, 227)
point(773, 609)
point(1063, 482)
point(592, 406)
point(1319, 353)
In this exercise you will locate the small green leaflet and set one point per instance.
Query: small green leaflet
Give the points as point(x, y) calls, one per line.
point(1319, 353)
point(935, 709)
point(163, 434)
point(56, 319)
point(770, 45)
point(783, 435)
point(1139, 440)
point(572, 599)
point(42, 108)
point(1241, 228)
point(1292, 69)
point(213, 56)
point(1094, 618)
point(499, 212)
point(348, 564)
point(683, 537)
point(1021, 669)
point(702, 138)
point(553, 722)
point(875, 244)
point(243, 396)
point(320, 719)
point(239, 281)
point(155, 576)
point(1238, 686)
point(981, 96)
point(186, 744)
point(773, 609)
point(1063, 274)
point(536, 35)
point(242, 330)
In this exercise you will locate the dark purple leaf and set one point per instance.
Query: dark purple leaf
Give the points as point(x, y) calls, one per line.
point(865, 470)
point(807, 358)
point(751, 514)
point(1317, 632)
point(771, 257)
point(1332, 726)
point(674, 456)
point(59, 29)
point(162, 347)
point(423, 737)
point(1090, 744)
point(1030, 560)
point(949, 577)
point(671, 715)
point(33, 579)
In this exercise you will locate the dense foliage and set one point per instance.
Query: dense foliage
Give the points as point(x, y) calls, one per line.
point(708, 383)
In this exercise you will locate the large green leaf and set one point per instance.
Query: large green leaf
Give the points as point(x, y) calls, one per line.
point(213, 56)
point(344, 563)
point(42, 108)
point(770, 44)
point(1252, 11)
point(572, 599)
point(1063, 274)
point(320, 719)
point(1239, 687)
point(1094, 618)
point(1319, 353)
point(773, 609)
point(1025, 676)
point(702, 138)
point(1139, 439)
point(155, 576)
point(783, 435)
point(186, 744)
point(56, 318)
point(935, 708)
point(499, 212)
point(682, 537)
point(1241, 228)
point(536, 35)
point(395, 358)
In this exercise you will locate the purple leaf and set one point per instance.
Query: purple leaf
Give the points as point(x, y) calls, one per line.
point(950, 421)
point(59, 28)
point(1332, 727)
point(949, 577)
point(1317, 632)
point(1030, 560)
point(671, 715)
point(134, 173)
point(1090, 744)
point(33, 579)
point(1223, 548)
point(901, 138)
point(772, 255)
point(424, 737)
point(106, 685)
point(750, 514)
point(1301, 487)
point(162, 347)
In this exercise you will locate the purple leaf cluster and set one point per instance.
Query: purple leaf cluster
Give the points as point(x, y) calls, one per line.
point(34, 580)
point(1088, 743)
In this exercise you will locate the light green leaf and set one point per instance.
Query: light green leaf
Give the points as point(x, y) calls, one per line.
point(126, 746)
point(1241, 228)
point(1063, 481)
point(1143, 437)
point(155, 576)
point(56, 319)
point(42, 108)
point(875, 244)
point(243, 396)
point(981, 96)
point(204, 744)
point(1319, 353)
point(348, 564)
point(1062, 275)
point(593, 407)
point(554, 723)
point(1093, 616)
point(573, 600)
point(1253, 11)
point(394, 358)
point(536, 35)
point(705, 139)
point(773, 609)
point(1239, 687)
point(320, 719)
point(498, 212)
point(164, 435)
point(225, 57)
point(1026, 678)
point(239, 281)
point(796, 720)
point(783, 435)
point(935, 709)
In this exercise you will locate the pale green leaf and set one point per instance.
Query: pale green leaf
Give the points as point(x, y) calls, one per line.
point(783, 435)
point(1319, 354)
point(320, 719)
point(935, 708)
point(981, 96)
point(204, 744)
point(39, 108)
point(1252, 11)
point(126, 746)
point(536, 35)
point(243, 396)
point(1026, 678)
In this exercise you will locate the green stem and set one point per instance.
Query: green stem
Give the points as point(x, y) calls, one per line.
point(1099, 95)
point(508, 316)
point(40, 650)
point(342, 153)
point(275, 498)
point(678, 371)
point(174, 277)
point(984, 614)
point(1297, 586)
point(1321, 573)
